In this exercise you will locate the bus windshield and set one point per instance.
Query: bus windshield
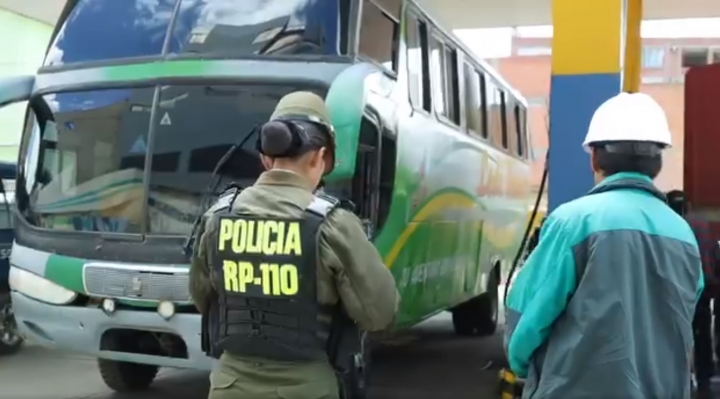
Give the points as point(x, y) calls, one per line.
point(85, 163)
point(102, 30)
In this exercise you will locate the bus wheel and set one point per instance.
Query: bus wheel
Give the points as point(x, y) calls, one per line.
point(479, 316)
point(10, 339)
point(127, 377)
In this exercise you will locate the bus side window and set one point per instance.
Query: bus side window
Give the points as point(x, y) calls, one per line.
point(524, 131)
point(494, 110)
point(379, 36)
point(418, 63)
point(437, 80)
point(473, 102)
point(519, 130)
point(452, 92)
point(482, 107)
point(511, 124)
point(503, 118)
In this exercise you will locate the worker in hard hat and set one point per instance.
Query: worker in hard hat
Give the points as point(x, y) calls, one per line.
point(603, 307)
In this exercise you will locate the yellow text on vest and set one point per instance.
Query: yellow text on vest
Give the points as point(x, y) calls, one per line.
point(270, 238)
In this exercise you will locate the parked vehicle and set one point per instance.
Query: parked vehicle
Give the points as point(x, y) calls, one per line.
point(10, 339)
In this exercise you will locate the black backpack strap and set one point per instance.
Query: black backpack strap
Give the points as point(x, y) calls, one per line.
point(225, 200)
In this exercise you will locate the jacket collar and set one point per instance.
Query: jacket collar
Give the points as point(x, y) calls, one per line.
point(628, 180)
point(283, 177)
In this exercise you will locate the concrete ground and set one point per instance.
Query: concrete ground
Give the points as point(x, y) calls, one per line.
point(427, 362)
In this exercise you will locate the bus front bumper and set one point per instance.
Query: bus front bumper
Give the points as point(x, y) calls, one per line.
point(80, 329)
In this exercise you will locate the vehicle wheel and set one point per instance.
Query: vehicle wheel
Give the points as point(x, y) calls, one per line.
point(127, 377)
point(357, 381)
point(10, 339)
point(479, 316)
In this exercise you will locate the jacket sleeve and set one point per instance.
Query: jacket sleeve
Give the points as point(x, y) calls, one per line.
point(201, 288)
point(700, 289)
point(365, 286)
point(539, 295)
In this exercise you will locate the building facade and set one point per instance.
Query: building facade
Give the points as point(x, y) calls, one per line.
point(664, 62)
point(23, 45)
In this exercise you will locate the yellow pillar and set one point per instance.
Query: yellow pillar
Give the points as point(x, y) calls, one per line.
point(633, 46)
point(595, 55)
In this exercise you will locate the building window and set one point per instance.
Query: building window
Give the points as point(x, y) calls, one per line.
point(653, 80)
point(537, 101)
point(653, 57)
point(534, 50)
point(716, 56)
point(694, 57)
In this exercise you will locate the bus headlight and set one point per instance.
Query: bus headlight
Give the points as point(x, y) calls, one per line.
point(108, 306)
point(166, 309)
point(39, 288)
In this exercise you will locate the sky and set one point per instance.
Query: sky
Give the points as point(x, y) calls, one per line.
point(497, 42)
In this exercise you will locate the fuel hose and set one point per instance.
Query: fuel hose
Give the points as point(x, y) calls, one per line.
point(528, 228)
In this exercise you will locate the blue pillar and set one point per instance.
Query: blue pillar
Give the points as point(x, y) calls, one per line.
point(587, 69)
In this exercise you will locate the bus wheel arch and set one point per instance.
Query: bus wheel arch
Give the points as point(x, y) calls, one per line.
point(125, 376)
point(480, 315)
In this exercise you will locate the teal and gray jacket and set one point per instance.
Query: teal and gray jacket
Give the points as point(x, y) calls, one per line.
point(603, 307)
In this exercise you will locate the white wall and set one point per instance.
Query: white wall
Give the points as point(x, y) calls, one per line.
point(22, 46)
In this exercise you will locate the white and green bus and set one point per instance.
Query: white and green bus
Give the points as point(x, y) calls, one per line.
point(136, 102)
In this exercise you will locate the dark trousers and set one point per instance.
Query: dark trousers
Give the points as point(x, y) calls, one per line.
point(716, 328)
point(702, 328)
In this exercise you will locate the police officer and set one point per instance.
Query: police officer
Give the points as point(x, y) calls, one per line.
point(274, 268)
point(603, 307)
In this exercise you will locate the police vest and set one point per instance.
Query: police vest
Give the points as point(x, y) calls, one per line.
point(264, 271)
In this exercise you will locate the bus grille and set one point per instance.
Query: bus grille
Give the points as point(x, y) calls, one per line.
point(152, 284)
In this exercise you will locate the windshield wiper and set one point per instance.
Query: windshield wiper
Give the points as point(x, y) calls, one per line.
point(279, 35)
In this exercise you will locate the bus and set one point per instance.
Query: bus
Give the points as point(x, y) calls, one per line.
point(135, 103)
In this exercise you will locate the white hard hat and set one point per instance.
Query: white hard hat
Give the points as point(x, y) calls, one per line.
point(629, 117)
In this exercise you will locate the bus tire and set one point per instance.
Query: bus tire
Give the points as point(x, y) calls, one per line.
point(125, 376)
point(10, 339)
point(479, 316)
